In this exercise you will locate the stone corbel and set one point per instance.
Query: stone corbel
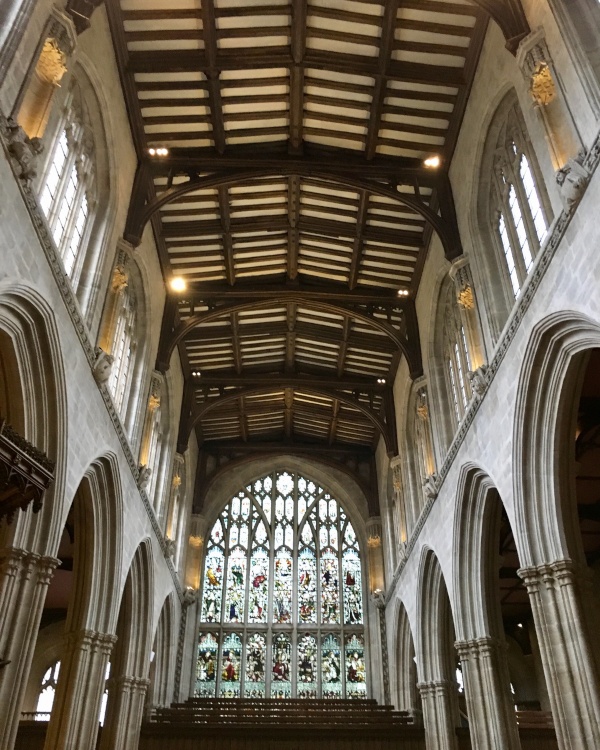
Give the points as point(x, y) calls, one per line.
point(23, 150)
point(102, 366)
point(430, 486)
point(170, 547)
point(144, 476)
point(190, 596)
point(479, 380)
point(572, 181)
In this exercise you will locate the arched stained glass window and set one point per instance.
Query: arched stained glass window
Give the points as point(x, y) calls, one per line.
point(282, 599)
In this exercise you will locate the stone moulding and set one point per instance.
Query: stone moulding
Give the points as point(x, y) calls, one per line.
point(41, 228)
point(589, 162)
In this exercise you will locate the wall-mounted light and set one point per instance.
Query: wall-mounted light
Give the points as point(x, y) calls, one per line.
point(403, 292)
point(381, 381)
point(432, 162)
point(161, 151)
point(178, 284)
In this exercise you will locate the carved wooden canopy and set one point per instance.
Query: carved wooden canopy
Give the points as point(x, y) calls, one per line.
point(294, 198)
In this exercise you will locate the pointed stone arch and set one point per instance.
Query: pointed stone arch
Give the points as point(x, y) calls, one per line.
point(405, 692)
point(162, 668)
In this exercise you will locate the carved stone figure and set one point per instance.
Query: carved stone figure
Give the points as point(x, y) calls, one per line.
point(478, 380)
point(145, 473)
point(430, 486)
point(24, 150)
point(170, 547)
point(102, 366)
point(190, 596)
point(572, 180)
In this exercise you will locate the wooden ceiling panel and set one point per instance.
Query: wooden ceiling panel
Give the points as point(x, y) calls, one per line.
point(296, 134)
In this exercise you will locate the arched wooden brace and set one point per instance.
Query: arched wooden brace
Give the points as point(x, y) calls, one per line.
point(369, 489)
point(511, 18)
point(445, 226)
point(387, 431)
point(410, 347)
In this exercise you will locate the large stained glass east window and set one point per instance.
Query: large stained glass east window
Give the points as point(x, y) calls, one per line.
point(282, 596)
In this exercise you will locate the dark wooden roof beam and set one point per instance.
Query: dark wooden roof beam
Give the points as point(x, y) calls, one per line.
point(212, 72)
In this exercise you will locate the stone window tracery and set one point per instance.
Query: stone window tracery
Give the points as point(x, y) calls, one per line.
point(67, 195)
point(47, 692)
point(520, 222)
point(282, 601)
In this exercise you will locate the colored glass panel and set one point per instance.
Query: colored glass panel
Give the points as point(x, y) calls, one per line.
point(307, 685)
point(206, 666)
point(330, 588)
point(355, 667)
point(331, 668)
point(256, 654)
point(259, 586)
point(307, 586)
point(231, 655)
point(281, 686)
point(236, 585)
point(283, 588)
point(213, 585)
point(353, 614)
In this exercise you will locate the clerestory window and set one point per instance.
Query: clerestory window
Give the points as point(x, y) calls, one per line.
point(67, 195)
point(520, 221)
point(282, 599)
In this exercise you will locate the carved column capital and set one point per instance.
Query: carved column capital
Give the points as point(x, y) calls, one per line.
point(432, 688)
point(90, 640)
point(477, 648)
point(11, 561)
point(559, 572)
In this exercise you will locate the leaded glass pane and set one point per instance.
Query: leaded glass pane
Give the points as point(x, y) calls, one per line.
point(282, 598)
point(256, 653)
point(281, 686)
point(307, 667)
point(331, 667)
point(236, 580)
point(250, 562)
point(330, 593)
point(206, 672)
point(355, 667)
point(259, 586)
point(213, 585)
point(307, 586)
point(231, 655)
point(352, 588)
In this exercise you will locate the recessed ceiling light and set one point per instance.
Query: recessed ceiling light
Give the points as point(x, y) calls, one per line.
point(433, 162)
point(178, 284)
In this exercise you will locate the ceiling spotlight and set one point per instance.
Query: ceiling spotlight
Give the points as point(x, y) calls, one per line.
point(178, 284)
point(403, 292)
point(381, 381)
point(196, 374)
point(433, 162)
point(158, 151)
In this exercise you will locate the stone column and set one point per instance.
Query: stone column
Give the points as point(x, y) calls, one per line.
point(467, 304)
point(379, 601)
point(492, 718)
point(24, 579)
point(81, 682)
point(569, 666)
point(438, 716)
point(124, 714)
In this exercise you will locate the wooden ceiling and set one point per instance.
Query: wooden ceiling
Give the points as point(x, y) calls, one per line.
point(294, 199)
